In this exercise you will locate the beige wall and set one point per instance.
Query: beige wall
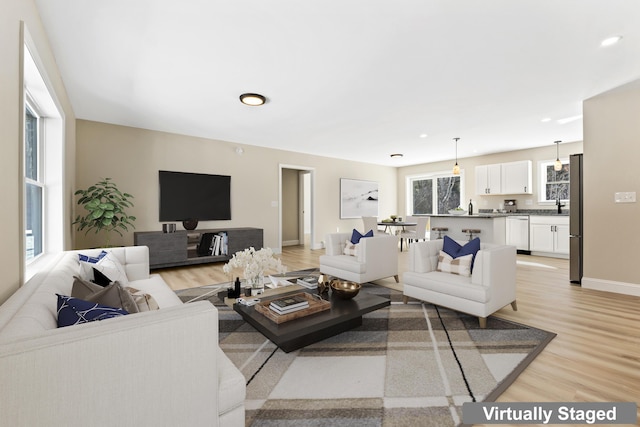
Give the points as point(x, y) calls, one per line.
point(467, 166)
point(132, 157)
point(11, 247)
point(611, 150)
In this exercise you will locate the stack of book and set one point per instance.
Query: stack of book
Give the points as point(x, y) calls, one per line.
point(289, 304)
point(309, 282)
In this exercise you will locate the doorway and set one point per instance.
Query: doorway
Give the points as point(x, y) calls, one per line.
point(296, 212)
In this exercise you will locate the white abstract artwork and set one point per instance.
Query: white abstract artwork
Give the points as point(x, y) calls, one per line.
point(358, 198)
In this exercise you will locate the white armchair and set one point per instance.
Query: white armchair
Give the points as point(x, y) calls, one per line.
point(492, 284)
point(376, 258)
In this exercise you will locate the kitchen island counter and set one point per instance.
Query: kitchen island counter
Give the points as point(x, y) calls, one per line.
point(492, 226)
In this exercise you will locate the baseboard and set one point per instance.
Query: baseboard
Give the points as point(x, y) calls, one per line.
point(290, 242)
point(611, 286)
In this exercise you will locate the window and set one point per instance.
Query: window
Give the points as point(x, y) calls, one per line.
point(44, 223)
point(34, 186)
point(554, 185)
point(433, 193)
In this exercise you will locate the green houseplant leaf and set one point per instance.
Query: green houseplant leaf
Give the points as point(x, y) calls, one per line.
point(105, 208)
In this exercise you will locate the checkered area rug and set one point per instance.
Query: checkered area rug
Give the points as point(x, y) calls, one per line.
point(407, 365)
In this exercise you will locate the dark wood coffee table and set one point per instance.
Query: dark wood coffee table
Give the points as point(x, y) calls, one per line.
point(298, 333)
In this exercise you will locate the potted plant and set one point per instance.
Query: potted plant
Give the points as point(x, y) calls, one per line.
point(105, 206)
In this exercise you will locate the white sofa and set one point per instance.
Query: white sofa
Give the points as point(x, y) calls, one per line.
point(377, 258)
point(491, 286)
point(154, 368)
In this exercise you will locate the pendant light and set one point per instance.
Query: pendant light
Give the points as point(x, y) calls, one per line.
point(456, 168)
point(557, 165)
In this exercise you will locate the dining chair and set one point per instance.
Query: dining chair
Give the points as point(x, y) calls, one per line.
point(419, 232)
point(370, 223)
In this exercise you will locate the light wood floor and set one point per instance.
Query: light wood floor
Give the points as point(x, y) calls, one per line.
point(594, 358)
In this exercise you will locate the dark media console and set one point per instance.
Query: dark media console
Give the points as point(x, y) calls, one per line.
point(180, 248)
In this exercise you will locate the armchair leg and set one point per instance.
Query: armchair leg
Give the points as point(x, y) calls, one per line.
point(397, 278)
point(514, 305)
point(483, 322)
point(405, 299)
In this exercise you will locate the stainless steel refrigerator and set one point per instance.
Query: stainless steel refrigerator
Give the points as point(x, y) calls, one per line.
point(575, 218)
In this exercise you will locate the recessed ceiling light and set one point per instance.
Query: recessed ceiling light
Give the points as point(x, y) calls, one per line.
point(611, 41)
point(546, 119)
point(252, 99)
point(396, 155)
point(423, 135)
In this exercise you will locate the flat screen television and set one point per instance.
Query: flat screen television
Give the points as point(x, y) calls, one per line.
point(194, 196)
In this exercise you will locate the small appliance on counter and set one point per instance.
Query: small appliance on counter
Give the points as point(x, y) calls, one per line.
point(510, 206)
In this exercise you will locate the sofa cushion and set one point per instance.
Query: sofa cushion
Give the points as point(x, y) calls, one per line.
point(162, 293)
point(107, 264)
point(450, 284)
point(356, 236)
point(343, 262)
point(143, 301)
point(455, 250)
point(74, 311)
point(113, 295)
point(460, 265)
point(350, 248)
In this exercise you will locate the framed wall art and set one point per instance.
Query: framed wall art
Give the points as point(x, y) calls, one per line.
point(358, 198)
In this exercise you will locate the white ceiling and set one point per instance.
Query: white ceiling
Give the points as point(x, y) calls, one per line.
point(352, 79)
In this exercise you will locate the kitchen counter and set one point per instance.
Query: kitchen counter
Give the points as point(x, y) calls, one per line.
point(529, 212)
point(491, 226)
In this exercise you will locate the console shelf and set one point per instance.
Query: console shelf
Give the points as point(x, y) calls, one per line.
point(180, 248)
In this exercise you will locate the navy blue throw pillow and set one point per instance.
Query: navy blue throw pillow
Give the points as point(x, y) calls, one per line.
point(74, 311)
point(356, 236)
point(455, 250)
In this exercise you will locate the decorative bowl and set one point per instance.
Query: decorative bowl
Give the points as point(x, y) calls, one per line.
point(457, 212)
point(345, 289)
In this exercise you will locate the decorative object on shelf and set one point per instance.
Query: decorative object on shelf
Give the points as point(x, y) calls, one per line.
point(169, 228)
point(470, 207)
point(557, 165)
point(456, 168)
point(105, 205)
point(190, 224)
point(345, 289)
point(358, 198)
point(255, 263)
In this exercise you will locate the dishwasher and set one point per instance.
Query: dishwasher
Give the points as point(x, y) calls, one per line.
point(518, 232)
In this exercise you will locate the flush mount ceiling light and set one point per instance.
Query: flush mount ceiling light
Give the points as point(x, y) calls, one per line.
point(456, 168)
point(610, 41)
point(252, 99)
point(394, 155)
point(423, 135)
point(557, 165)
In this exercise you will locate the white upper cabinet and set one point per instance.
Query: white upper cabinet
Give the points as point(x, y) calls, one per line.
point(516, 177)
point(488, 179)
point(504, 178)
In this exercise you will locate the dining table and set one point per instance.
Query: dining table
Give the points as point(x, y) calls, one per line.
point(396, 226)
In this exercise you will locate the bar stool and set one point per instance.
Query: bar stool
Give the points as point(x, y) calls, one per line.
point(470, 232)
point(440, 230)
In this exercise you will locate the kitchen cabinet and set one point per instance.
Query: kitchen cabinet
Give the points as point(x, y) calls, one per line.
point(549, 234)
point(488, 179)
point(516, 177)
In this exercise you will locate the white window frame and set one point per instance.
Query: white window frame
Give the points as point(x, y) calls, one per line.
point(39, 181)
point(542, 175)
point(38, 93)
point(434, 176)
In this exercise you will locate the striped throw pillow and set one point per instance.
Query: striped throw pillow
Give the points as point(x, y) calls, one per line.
point(460, 265)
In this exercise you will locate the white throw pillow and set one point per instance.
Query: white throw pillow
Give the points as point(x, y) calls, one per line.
point(350, 248)
point(107, 264)
point(145, 302)
point(460, 265)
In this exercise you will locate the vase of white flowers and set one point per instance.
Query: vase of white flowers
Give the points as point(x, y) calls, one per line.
point(255, 263)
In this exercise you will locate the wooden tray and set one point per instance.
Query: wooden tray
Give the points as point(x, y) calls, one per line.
point(315, 306)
